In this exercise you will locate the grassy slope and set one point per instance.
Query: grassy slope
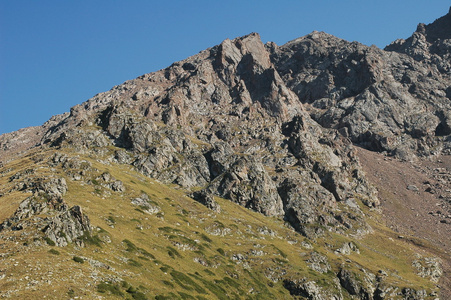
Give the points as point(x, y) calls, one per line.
point(177, 252)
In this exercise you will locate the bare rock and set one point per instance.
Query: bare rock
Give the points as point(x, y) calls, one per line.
point(207, 200)
point(144, 203)
point(348, 248)
point(66, 227)
point(247, 183)
point(428, 267)
point(310, 290)
point(353, 285)
point(318, 263)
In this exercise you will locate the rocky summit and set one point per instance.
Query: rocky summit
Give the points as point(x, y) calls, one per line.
point(319, 169)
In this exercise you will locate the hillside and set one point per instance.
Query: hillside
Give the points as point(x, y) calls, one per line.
point(247, 171)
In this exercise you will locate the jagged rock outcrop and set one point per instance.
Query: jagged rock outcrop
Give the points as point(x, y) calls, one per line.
point(62, 225)
point(68, 226)
point(381, 100)
point(206, 199)
point(310, 290)
point(354, 285)
point(226, 121)
point(247, 183)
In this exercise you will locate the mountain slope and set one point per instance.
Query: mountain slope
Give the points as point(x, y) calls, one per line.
point(117, 182)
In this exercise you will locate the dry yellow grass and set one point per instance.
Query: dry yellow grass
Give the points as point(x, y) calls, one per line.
point(183, 251)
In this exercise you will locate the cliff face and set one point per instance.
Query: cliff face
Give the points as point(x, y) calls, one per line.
point(271, 128)
point(224, 120)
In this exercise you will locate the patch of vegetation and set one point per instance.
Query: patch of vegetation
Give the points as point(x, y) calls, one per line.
point(215, 289)
point(134, 263)
point(101, 230)
point(165, 269)
point(78, 259)
point(209, 272)
point(206, 238)
point(221, 251)
point(111, 220)
point(125, 284)
point(168, 283)
point(173, 253)
point(71, 293)
point(106, 287)
point(168, 229)
point(136, 294)
point(146, 253)
point(49, 241)
point(54, 252)
point(89, 239)
point(280, 260)
point(231, 282)
point(186, 282)
point(130, 247)
point(171, 296)
point(140, 210)
point(283, 254)
point(262, 287)
point(185, 296)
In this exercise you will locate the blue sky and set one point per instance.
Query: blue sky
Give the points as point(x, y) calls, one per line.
point(55, 54)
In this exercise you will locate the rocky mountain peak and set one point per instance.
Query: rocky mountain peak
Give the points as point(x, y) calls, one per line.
point(439, 29)
point(427, 40)
point(275, 129)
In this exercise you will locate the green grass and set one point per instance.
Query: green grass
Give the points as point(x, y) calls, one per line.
point(54, 252)
point(186, 282)
point(113, 289)
point(130, 247)
point(172, 273)
point(49, 241)
point(78, 259)
point(89, 239)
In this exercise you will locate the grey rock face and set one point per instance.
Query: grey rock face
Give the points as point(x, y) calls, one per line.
point(146, 204)
point(309, 290)
point(271, 127)
point(227, 122)
point(66, 227)
point(429, 267)
point(247, 183)
point(384, 101)
point(348, 248)
point(63, 225)
point(318, 263)
point(207, 200)
point(350, 283)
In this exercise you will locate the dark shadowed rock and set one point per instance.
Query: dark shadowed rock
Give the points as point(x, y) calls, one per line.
point(207, 200)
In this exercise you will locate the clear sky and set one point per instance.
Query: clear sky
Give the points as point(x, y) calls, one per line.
point(55, 54)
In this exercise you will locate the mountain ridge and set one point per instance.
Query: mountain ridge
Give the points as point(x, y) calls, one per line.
point(271, 128)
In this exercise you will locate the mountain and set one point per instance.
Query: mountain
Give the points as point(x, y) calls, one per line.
point(318, 169)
